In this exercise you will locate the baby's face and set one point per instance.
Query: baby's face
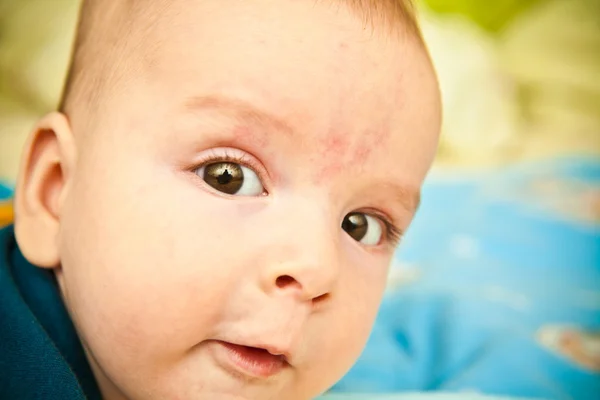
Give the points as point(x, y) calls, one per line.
point(237, 192)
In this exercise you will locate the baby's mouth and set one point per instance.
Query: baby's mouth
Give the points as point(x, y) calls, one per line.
point(253, 361)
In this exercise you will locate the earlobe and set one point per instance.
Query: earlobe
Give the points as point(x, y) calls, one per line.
point(46, 166)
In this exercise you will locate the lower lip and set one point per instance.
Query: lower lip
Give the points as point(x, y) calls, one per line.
point(248, 361)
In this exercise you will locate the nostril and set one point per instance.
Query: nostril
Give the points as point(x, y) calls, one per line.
point(285, 281)
point(288, 282)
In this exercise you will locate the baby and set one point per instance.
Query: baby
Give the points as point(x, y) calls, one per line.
point(212, 212)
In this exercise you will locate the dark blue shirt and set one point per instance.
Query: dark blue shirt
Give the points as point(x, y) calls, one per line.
point(41, 356)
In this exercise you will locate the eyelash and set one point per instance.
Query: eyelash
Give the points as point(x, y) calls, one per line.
point(393, 234)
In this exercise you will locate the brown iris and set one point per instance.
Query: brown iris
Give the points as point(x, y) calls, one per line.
point(356, 225)
point(226, 177)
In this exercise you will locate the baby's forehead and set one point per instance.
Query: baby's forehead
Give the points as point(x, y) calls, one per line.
point(111, 32)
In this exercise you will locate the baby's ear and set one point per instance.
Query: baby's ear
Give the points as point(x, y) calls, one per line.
point(47, 162)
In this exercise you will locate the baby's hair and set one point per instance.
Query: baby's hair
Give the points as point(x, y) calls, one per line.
point(399, 15)
point(105, 29)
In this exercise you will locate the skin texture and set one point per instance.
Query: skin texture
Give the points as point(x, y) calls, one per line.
point(155, 265)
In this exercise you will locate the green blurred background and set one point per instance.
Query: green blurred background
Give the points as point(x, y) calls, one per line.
point(520, 78)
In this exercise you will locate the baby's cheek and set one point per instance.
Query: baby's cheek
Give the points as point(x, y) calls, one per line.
point(128, 244)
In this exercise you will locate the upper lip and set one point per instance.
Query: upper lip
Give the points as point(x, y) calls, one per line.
point(270, 348)
point(274, 350)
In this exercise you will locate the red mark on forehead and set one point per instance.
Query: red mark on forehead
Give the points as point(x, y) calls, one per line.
point(361, 155)
point(336, 144)
point(340, 154)
point(371, 140)
point(333, 156)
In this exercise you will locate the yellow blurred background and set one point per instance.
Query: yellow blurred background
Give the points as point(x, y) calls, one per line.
point(520, 79)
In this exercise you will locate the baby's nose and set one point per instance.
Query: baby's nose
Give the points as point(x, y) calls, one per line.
point(304, 261)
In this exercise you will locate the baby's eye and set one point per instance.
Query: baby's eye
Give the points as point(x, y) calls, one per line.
point(231, 178)
point(363, 228)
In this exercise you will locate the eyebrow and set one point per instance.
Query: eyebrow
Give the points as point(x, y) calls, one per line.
point(408, 198)
point(240, 109)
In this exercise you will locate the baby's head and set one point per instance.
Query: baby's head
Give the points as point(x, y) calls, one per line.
point(222, 193)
